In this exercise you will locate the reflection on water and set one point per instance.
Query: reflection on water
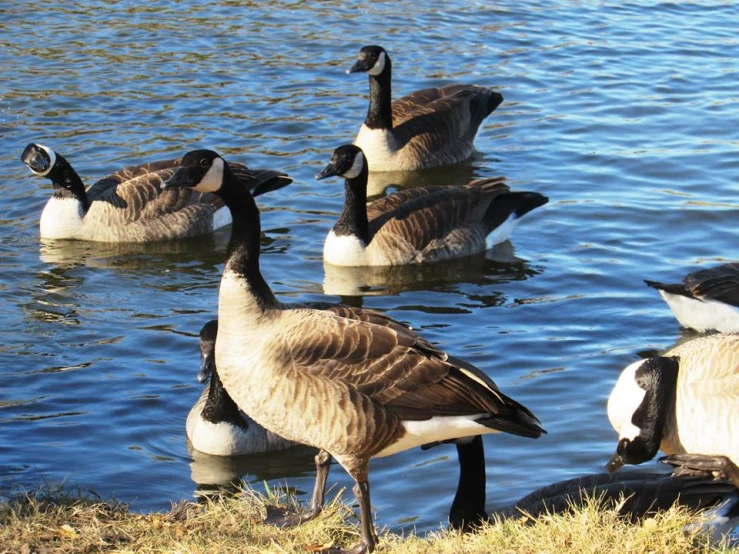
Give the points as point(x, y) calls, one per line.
point(453, 175)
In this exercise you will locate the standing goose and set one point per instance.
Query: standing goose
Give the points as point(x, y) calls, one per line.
point(706, 300)
point(352, 388)
point(421, 224)
point(427, 128)
point(686, 401)
point(129, 205)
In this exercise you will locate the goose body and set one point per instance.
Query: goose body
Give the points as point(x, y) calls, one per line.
point(350, 387)
point(418, 225)
point(706, 300)
point(686, 401)
point(129, 205)
point(427, 128)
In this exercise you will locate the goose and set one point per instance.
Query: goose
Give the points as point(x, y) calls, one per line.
point(686, 401)
point(697, 483)
point(706, 300)
point(129, 205)
point(349, 387)
point(418, 225)
point(426, 128)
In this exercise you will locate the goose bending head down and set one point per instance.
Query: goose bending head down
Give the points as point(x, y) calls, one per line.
point(425, 224)
point(427, 128)
point(129, 205)
point(686, 401)
point(215, 425)
point(350, 387)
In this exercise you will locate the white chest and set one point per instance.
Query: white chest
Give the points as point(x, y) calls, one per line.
point(61, 219)
point(346, 250)
point(379, 148)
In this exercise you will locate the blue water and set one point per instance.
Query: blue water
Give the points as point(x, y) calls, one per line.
point(625, 114)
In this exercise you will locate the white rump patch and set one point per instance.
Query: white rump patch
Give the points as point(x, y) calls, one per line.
point(503, 231)
point(379, 66)
point(213, 180)
point(61, 219)
point(439, 428)
point(221, 218)
point(52, 160)
point(625, 398)
point(344, 250)
point(701, 315)
point(356, 167)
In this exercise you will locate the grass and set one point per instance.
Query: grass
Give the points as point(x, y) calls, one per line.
point(62, 521)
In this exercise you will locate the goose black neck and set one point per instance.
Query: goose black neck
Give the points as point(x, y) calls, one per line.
point(220, 407)
point(242, 256)
point(67, 183)
point(468, 507)
point(353, 218)
point(380, 114)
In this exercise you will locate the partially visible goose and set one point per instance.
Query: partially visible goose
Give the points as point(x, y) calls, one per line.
point(686, 401)
point(427, 128)
point(129, 205)
point(421, 224)
point(352, 388)
point(706, 300)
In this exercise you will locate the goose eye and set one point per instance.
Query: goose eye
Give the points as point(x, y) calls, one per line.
point(204, 163)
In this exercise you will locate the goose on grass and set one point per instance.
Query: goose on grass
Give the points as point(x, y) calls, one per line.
point(706, 300)
point(685, 401)
point(351, 388)
point(129, 205)
point(426, 128)
point(418, 225)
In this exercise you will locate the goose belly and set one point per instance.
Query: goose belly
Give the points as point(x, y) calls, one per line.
point(344, 250)
point(61, 219)
point(702, 315)
point(438, 428)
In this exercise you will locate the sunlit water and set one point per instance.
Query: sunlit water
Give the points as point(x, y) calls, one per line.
point(625, 114)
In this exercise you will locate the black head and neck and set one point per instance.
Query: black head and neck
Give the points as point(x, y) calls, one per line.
point(641, 437)
point(44, 162)
point(348, 161)
point(374, 61)
point(206, 171)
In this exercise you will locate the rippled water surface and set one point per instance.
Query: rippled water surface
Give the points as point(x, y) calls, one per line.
point(625, 114)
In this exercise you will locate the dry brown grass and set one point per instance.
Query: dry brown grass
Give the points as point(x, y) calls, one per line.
point(63, 522)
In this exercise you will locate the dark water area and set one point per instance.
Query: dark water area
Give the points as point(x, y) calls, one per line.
point(625, 114)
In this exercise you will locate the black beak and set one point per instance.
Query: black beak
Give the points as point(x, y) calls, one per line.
point(360, 65)
point(207, 364)
point(328, 171)
point(180, 179)
point(615, 463)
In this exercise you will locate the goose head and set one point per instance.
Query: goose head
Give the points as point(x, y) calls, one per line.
point(638, 407)
point(40, 159)
point(372, 60)
point(207, 350)
point(200, 170)
point(347, 161)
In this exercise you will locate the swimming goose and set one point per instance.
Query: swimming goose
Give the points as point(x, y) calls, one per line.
point(686, 401)
point(427, 128)
point(354, 389)
point(706, 300)
point(421, 224)
point(129, 205)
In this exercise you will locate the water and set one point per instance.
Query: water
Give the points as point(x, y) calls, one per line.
point(625, 114)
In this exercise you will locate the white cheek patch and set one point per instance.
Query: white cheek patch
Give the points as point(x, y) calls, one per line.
point(356, 167)
point(52, 160)
point(625, 398)
point(379, 66)
point(212, 180)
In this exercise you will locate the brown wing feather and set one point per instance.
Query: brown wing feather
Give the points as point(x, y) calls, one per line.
point(716, 283)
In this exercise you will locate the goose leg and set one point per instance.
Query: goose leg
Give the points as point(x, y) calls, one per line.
point(720, 466)
point(369, 537)
point(468, 507)
point(282, 518)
